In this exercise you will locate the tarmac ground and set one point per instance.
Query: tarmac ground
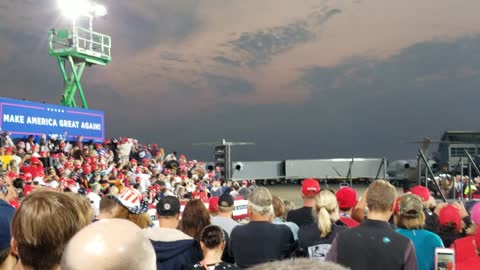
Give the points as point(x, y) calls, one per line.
point(292, 191)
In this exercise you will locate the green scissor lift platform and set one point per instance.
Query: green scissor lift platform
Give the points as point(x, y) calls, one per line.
point(77, 48)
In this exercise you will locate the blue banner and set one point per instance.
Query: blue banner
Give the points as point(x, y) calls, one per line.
point(23, 118)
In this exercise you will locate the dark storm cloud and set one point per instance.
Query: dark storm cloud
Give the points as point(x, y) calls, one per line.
point(171, 56)
point(415, 67)
point(229, 86)
point(319, 17)
point(256, 48)
point(363, 107)
point(259, 47)
point(226, 61)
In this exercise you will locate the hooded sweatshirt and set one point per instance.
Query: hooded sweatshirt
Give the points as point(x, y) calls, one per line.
point(174, 249)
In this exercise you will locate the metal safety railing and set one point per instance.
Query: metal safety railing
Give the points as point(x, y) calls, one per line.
point(81, 40)
point(428, 171)
point(471, 164)
point(93, 43)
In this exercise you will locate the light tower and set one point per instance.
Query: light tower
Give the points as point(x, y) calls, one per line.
point(78, 47)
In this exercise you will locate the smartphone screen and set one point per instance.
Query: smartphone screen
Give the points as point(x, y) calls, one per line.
point(444, 259)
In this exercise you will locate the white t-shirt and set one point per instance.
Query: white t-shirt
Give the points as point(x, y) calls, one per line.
point(144, 181)
point(234, 193)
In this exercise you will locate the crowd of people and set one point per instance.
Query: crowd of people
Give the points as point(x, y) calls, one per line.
point(123, 205)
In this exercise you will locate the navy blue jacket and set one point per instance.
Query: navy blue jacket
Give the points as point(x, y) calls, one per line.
point(176, 255)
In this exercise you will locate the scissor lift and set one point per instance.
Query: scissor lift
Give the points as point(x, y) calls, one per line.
point(77, 48)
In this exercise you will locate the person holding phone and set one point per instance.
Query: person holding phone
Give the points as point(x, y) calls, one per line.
point(444, 259)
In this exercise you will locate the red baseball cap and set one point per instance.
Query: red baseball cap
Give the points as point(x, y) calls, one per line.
point(28, 189)
point(310, 187)
point(14, 203)
point(28, 176)
point(422, 192)
point(213, 204)
point(396, 209)
point(8, 150)
point(11, 174)
point(346, 198)
point(450, 214)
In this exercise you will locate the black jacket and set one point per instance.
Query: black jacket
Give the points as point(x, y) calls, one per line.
point(311, 245)
point(373, 245)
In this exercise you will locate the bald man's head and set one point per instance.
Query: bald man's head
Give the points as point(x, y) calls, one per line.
point(109, 244)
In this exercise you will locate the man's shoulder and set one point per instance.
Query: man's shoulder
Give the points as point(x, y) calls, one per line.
point(349, 232)
point(6, 207)
point(259, 227)
point(339, 229)
point(430, 236)
point(224, 220)
point(308, 230)
point(241, 228)
point(165, 234)
point(294, 213)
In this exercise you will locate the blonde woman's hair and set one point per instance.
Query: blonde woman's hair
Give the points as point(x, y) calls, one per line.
point(325, 205)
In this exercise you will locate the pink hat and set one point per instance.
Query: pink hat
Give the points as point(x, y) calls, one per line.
point(475, 214)
point(477, 238)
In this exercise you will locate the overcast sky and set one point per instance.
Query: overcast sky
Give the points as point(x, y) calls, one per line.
point(299, 78)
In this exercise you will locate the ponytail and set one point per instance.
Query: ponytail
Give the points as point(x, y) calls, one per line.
point(323, 222)
point(325, 204)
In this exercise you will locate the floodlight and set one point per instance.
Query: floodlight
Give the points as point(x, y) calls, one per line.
point(74, 8)
point(99, 10)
